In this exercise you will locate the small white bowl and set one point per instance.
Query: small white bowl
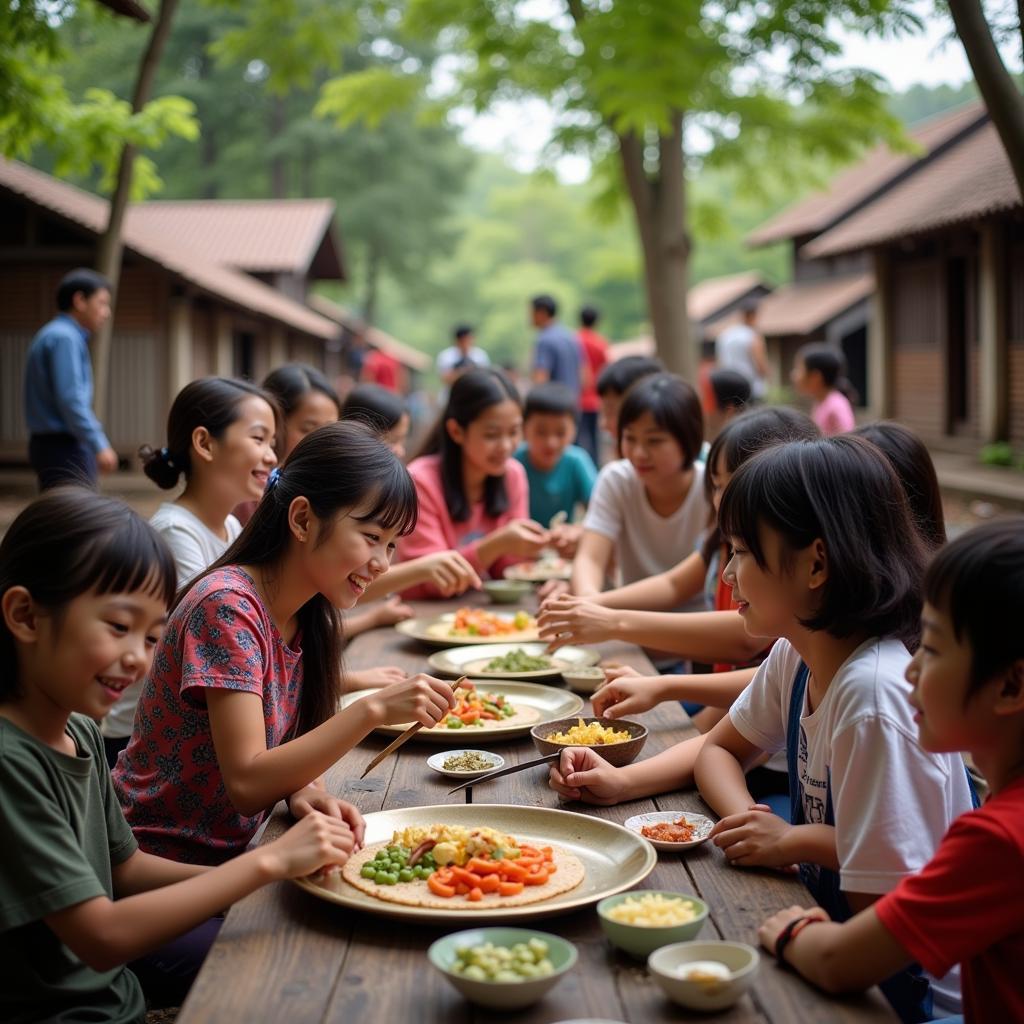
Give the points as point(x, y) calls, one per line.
point(702, 828)
point(584, 680)
point(742, 960)
point(436, 763)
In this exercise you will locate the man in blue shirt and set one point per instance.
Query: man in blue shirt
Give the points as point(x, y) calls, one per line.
point(66, 441)
point(557, 356)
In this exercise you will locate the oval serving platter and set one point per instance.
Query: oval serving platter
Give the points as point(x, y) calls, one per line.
point(474, 659)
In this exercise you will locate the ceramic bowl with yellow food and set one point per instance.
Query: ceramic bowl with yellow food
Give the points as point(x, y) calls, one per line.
point(643, 920)
point(618, 742)
point(707, 975)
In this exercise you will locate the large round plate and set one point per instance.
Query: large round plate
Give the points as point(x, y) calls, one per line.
point(615, 859)
point(472, 660)
point(420, 629)
point(551, 702)
point(540, 572)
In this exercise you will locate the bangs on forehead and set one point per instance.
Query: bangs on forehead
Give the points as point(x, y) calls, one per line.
point(745, 502)
point(132, 557)
point(393, 504)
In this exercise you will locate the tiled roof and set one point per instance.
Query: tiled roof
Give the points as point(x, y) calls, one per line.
point(710, 297)
point(258, 236)
point(972, 179)
point(90, 212)
point(802, 307)
point(859, 183)
point(405, 354)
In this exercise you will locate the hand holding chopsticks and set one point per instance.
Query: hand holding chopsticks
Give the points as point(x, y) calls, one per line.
point(421, 697)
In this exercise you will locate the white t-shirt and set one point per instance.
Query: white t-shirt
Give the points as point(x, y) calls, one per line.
point(892, 801)
point(734, 351)
point(195, 547)
point(646, 543)
point(449, 358)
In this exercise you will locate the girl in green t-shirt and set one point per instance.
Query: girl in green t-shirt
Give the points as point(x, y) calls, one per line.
point(85, 585)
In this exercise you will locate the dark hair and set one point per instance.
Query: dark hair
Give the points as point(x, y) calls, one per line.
point(978, 579)
point(618, 377)
point(375, 406)
point(674, 406)
point(742, 438)
point(210, 402)
point(470, 397)
point(551, 398)
point(914, 467)
point(843, 491)
point(461, 330)
point(545, 303)
point(290, 383)
point(339, 468)
point(830, 362)
point(730, 388)
point(71, 541)
point(83, 280)
point(589, 316)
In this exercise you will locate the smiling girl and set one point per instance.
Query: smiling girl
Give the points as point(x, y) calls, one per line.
point(241, 708)
point(84, 589)
point(220, 437)
point(473, 494)
point(648, 510)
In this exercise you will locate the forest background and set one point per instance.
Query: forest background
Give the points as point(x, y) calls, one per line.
point(434, 232)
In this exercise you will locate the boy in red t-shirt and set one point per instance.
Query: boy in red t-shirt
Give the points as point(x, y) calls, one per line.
point(967, 905)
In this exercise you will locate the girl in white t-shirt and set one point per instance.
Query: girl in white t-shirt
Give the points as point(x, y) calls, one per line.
point(220, 437)
point(826, 557)
point(649, 509)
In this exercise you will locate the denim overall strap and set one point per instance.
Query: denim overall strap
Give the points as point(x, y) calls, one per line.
point(909, 991)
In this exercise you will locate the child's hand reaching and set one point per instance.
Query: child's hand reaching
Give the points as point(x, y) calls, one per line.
point(316, 841)
point(627, 694)
point(450, 573)
point(754, 838)
point(582, 774)
point(390, 611)
point(372, 678)
point(566, 538)
point(314, 798)
point(574, 620)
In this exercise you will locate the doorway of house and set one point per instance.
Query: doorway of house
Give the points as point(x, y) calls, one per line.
point(855, 349)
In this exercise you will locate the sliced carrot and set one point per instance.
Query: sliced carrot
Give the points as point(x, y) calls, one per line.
point(470, 718)
point(513, 872)
point(438, 888)
point(466, 877)
point(510, 888)
point(536, 878)
point(475, 894)
point(482, 867)
point(461, 888)
point(490, 883)
point(551, 868)
point(490, 716)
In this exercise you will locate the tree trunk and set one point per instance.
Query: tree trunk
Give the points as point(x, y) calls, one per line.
point(997, 87)
point(208, 140)
point(370, 284)
point(111, 246)
point(278, 168)
point(659, 205)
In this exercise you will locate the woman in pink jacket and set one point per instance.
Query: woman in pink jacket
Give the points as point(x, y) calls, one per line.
point(473, 495)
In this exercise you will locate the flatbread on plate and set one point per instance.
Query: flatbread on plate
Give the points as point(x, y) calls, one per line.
point(446, 631)
point(524, 714)
point(416, 894)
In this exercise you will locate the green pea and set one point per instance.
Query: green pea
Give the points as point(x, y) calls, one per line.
point(454, 723)
point(380, 877)
point(368, 871)
point(392, 878)
point(405, 875)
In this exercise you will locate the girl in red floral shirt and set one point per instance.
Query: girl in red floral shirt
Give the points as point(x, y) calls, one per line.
point(240, 708)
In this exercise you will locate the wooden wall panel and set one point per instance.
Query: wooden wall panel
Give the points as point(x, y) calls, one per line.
point(919, 390)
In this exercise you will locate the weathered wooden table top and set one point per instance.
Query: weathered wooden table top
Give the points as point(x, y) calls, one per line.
point(284, 955)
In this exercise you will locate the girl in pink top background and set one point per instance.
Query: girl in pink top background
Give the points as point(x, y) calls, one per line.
point(473, 496)
point(820, 373)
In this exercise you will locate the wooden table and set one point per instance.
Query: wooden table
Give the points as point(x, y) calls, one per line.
point(284, 955)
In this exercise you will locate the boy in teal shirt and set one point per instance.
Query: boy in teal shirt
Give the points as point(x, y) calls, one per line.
point(561, 474)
